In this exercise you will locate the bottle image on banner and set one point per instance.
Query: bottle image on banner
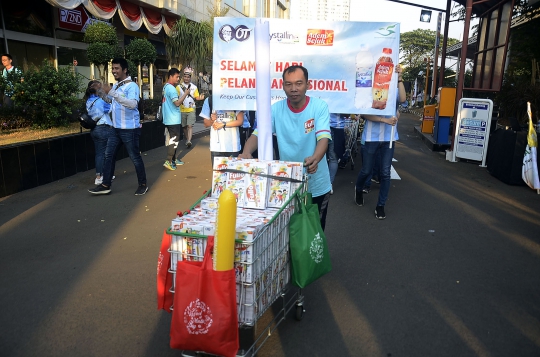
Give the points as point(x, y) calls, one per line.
point(384, 68)
point(364, 77)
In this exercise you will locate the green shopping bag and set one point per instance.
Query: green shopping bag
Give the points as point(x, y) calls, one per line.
point(310, 258)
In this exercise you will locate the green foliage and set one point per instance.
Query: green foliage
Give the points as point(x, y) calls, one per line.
point(101, 32)
point(100, 53)
point(140, 50)
point(132, 68)
point(48, 95)
point(189, 42)
point(7, 83)
point(13, 118)
point(416, 45)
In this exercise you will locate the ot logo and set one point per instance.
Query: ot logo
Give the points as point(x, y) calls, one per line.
point(241, 33)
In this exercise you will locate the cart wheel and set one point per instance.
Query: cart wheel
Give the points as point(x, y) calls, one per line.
point(299, 312)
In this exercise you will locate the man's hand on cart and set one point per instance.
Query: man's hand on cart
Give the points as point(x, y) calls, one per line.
point(245, 155)
point(311, 164)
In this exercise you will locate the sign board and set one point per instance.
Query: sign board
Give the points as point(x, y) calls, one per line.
point(339, 55)
point(471, 136)
point(76, 19)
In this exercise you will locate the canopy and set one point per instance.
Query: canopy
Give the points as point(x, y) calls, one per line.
point(132, 15)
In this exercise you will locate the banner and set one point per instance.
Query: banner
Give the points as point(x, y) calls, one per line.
point(350, 64)
point(529, 172)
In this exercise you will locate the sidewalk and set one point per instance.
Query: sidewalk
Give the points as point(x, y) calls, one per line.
point(454, 270)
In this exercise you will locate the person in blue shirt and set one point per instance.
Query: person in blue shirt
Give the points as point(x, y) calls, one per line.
point(302, 128)
point(376, 137)
point(98, 110)
point(171, 118)
point(124, 98)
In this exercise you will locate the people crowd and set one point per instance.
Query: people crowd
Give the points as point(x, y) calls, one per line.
point(233, 133)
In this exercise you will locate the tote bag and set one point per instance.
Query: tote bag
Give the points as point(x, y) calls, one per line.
point(164, 278)
point(205, 316)
point(310, 258)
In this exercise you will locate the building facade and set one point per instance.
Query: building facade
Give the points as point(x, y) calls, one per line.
point(32, 31)
point(324, 10)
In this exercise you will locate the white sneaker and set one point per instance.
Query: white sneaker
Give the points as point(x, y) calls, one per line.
point(99, 180)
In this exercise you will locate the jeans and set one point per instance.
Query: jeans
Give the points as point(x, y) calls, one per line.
point(369, 155)
point(130, 138)
point(376, 173)
point(101, 134)
point(334, 153)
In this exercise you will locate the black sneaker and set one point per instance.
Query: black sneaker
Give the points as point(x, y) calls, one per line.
point(358, 197)
point(141, 190)
point(379, 212)
point(375, 180)
point(366, 190)
point(100, 190)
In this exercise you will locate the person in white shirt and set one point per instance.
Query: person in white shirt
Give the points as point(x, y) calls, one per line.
point(224, 132)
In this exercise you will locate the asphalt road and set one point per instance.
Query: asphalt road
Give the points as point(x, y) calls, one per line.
point(454, 270)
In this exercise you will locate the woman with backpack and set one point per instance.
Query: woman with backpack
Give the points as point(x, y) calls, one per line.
point(98, 110)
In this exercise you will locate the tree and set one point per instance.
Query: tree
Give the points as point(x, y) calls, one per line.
point(189, 42)
point(140, 51)
point(103, 46)
point(48, 95)
point(416, 45)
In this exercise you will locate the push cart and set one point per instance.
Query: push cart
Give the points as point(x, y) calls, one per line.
point(351, 137)
point(262, 275)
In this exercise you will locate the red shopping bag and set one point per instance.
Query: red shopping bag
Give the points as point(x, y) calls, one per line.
point(164, 278)
point(205, 316)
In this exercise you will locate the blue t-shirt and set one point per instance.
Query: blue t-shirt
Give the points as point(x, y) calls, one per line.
point(298, 132)
point(171, 113)
point(379, 131)
point(98, 109)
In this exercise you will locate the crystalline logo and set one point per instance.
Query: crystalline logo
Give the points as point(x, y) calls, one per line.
point(240, 33)
point(284, 37)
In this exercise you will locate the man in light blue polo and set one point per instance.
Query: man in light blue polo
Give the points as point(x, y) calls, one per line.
point(171, 118)
point(302, 127)
point(124, 95)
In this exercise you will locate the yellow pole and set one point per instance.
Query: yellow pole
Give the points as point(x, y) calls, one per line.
point(225, 232)
point(427, 60)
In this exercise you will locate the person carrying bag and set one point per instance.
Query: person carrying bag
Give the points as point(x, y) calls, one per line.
point(205, 316)
point(310, 258)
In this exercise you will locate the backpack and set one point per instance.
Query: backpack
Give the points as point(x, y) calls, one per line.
point(85, 120)
point(159, 114)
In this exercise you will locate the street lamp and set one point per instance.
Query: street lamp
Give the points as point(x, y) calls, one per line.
point(425, 16)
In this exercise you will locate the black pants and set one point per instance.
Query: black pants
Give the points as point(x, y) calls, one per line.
point(175, 135)
point(322, 203)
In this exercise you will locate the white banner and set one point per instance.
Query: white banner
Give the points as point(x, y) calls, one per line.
point(529, 172)
point(351, 64)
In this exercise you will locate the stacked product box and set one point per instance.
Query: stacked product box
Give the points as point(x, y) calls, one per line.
point(261, 249)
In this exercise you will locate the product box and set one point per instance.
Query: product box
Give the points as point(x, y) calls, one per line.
point(236, 182)
point(256, 185)
point(297, 174)
point(244, 253)
point(278, 190)
point(219, 179)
